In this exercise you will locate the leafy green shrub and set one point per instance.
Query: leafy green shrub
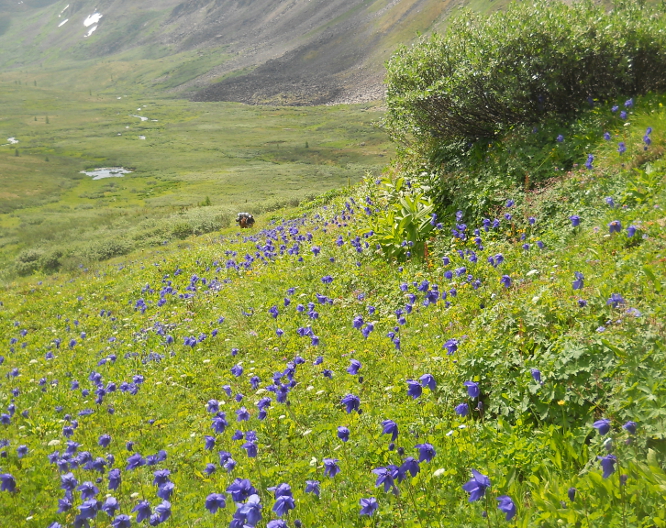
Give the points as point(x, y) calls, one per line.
point(181, 229)
point(27, 261)
point(486, 75)
point(51, 260)
point(105, 249)
point(403, 228)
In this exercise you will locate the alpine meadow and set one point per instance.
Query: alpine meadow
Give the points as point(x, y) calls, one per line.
point(441, 302)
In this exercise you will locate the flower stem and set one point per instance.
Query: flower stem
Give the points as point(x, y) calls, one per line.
point(416, 509)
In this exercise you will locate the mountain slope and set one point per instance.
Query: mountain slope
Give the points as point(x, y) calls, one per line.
point(289, 52)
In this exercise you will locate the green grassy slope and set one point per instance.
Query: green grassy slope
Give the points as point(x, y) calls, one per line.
point(214, 295)
point(240, 157)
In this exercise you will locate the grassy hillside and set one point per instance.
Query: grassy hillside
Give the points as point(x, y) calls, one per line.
point(241, 356)
point(237, 157)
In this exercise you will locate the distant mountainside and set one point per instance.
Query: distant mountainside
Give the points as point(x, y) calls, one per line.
point(256, 51)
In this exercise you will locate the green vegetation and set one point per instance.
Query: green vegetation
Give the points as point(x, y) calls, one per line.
point(181, 317)
point(475, 339)
point(241, 158)
point(534, 61)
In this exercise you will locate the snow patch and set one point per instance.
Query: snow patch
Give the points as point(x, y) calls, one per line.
point(65, 9)
point(12, 140)
point(92, 19)
point(63, 22)
point(140, 117)
point(90, 32)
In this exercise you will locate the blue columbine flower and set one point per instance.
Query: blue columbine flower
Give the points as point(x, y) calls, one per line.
point(621, 147)
point(608, 464)
point(354, 366)
point(427, 380)
point(615, 300)
point(631, 230)
point(351, 402)
point(161, 477)
point(451, 345)
point(331, 467)
point(283, 504)
point(579, 282)
point(630, 427)
point(162, 511)
point(506, 281)
point(410, 465)
point(241, 489)
point(143, 511)
point(215, 501)
point(390, 427)
point(476, 486)
point(343, 433)
point(536, 374)
point(603, 426)
point(507, 506)
point(368, 506)
point(588, 163)
point(242, 414)
point(164, 492)
point(571, 493)
point(560, 138)
point(462, 409)
point(279, 523)
point(88, 490)
point(472, 389)
point(386, 477)
point(575, 220)
point(614, 227)
point(88, 510)
point(414, 389)
point(251, 449)
point(426, 452)
point(68, 482)
point(312, 486)
point(251, 510)
point(8, 483)
point(110, 506)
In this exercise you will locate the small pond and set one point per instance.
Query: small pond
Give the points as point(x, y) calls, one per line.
point(106, 172)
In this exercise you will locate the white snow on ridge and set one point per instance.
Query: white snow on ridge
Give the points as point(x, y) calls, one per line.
point(12, 140)
point(92, 19)
point(65, 9)
point(90, 31)
point(63, 22)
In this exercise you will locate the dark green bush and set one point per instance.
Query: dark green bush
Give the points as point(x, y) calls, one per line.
point(27, 261)
point(106, 249)
point(486, 75)
point(51, 260)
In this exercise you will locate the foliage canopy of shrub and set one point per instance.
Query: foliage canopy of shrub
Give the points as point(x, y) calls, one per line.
point(485, 75)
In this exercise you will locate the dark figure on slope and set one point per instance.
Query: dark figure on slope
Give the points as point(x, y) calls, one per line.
point(245, 220)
